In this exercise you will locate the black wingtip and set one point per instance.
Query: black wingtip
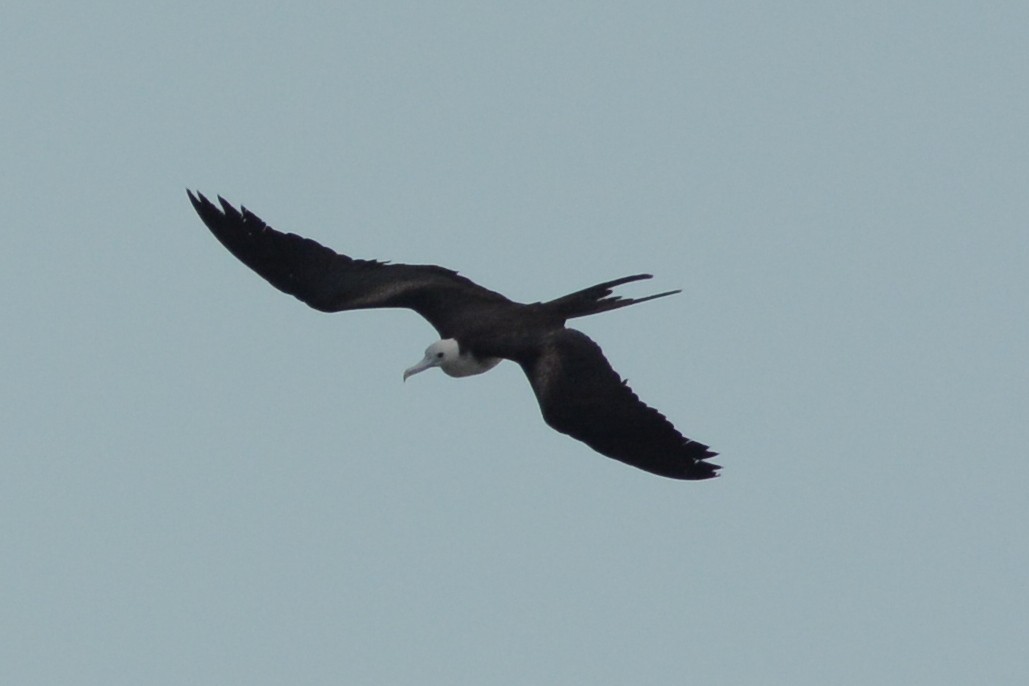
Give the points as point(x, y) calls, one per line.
point(200, 202)
point(700, 468)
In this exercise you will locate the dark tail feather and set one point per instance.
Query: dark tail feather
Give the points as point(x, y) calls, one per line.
point(598, 298)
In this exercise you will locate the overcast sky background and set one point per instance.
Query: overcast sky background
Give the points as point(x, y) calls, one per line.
point(205, 482)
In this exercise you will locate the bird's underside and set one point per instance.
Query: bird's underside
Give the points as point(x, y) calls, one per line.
point(578, 392)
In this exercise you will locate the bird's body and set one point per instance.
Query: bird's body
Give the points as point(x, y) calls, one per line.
point(578, 391)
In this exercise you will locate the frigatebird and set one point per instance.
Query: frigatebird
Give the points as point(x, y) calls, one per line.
point(578, 392)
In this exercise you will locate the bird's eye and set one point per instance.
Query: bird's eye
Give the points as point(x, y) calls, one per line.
point(439, 356)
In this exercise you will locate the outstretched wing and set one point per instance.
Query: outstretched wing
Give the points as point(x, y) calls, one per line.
point(331, 282)
point(582, 396)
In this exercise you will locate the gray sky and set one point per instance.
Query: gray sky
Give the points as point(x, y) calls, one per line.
point(205, 482)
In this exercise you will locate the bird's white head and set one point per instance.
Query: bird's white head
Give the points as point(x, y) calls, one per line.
point(444, 353)
point(448, 356)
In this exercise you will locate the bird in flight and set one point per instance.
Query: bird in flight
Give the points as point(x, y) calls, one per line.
point(578, 392)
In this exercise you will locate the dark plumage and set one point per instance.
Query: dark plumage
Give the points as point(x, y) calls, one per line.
point(578, 392)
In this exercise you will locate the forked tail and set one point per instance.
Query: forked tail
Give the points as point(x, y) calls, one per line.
point(596, 299)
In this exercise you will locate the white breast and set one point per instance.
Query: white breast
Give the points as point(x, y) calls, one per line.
point(465, 364)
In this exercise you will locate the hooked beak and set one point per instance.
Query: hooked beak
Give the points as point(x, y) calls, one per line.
point(426, 363)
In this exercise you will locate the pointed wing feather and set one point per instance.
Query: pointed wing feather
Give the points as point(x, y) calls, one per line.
point(332, 282)
point(582, 396)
